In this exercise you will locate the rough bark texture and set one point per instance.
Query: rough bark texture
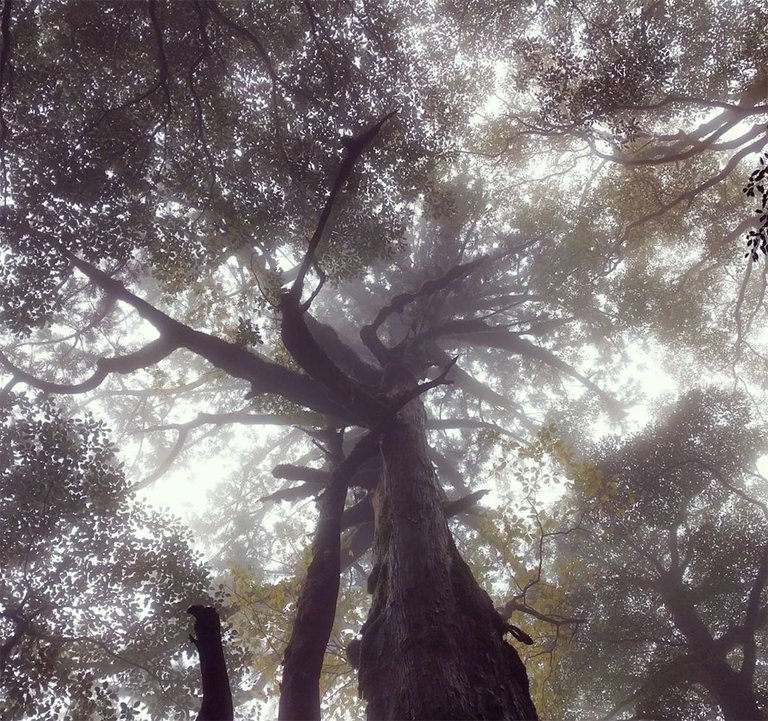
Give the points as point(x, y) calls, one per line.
point(217, 696)
point(433, 646)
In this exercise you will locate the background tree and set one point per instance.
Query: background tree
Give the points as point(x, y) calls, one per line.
point(94, 585)
point(671, 545)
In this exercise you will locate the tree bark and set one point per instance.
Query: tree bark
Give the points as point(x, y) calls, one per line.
point(217, 696)
point(433, 646)
point(303, 661)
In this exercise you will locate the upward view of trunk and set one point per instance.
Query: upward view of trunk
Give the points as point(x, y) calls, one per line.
point(433, 646)
point(303, 661)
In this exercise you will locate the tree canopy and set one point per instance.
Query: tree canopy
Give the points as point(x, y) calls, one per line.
point(674, 565)
point(94, 583)
point(359, 288)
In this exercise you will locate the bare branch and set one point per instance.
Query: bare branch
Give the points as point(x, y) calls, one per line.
point(221, 419)
point(354, 148)
point(302, 473)
point(149, 355)
point(369, 333)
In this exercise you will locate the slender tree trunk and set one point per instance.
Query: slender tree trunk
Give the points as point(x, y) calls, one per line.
point(433, 646)
point(303, 661)
point(217, 696)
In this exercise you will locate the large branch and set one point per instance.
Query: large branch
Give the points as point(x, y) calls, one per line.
point(149, 355)
point(246, 34)
point(689, 195)
point(477, 333)
point(369, 333)
point(469, 384)
point(342, 354)
point(306, 351)
point(316, 608)
point(695, 148)
point(737, 635)
point(264, 376)
point(468, 423)
point(221, 419)
point(354, 148)
point(291, 472)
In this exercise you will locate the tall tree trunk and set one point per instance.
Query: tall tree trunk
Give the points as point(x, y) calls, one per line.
point(433, 646)
point(303, 661)
point(217, 696)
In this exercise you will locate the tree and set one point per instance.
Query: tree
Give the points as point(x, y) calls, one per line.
point(223, 216)
point(140, 161)
point(675, 627)
point(94, 583)
point(657, 110)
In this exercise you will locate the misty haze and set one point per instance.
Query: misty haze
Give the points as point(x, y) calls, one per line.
point(383, 359)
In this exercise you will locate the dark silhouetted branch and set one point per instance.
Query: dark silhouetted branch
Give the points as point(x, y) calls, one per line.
point(300, 687)
point(264, 376)
point(354, 148)
point(308, 353)
point(302, 473)
point(217, 696)
point(149, 355)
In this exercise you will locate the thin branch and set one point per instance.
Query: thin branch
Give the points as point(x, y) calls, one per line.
point(221, 419)
point(167, 462)
point(369, 333)
point(354, 148)
point(689, 195)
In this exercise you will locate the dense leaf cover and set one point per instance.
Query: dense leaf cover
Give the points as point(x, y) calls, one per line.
point(673, 563)
point(547, 220)
point(94, 584)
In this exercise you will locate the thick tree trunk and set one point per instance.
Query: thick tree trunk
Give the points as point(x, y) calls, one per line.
point(217, 696)
point(433, 646)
